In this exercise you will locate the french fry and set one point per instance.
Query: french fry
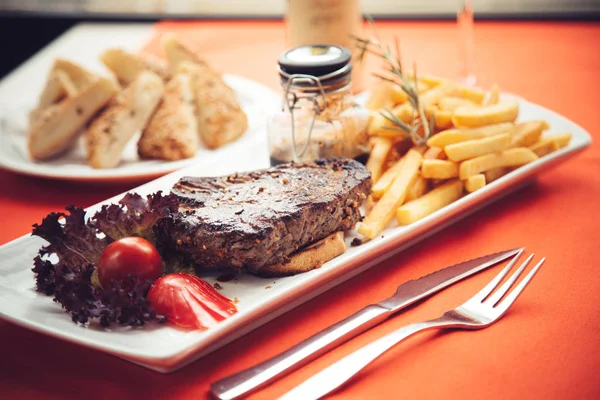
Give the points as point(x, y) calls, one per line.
point(474, 182)
point(527, 133)
point(495, 173)
point(507, 158)
point(475, 148)
point(493, 97)
point(434, 153)
point(422, 87)
point(379, 125)
point(451, 103)
point(506, 111)
point(417, 188)
point(386, 180)
point(439, 169)
point(429, 203)
point(442, 119)
point(377, 157)
point(457, 135)
point(369, 204)
point(474, 94)
point(561, 139)
point(544, 146)
point(385, 95)
point(431, 80)
point(384, 210)
point(435, 94)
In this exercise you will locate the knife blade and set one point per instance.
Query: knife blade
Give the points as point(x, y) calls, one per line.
point(244, 382)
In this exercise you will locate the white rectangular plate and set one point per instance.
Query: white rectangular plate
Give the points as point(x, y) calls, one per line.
point(165, 349)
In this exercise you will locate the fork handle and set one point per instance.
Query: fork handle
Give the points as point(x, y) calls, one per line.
point(338, 373)
point(244, 382)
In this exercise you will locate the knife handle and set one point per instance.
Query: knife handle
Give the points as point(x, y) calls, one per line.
point(244, 382)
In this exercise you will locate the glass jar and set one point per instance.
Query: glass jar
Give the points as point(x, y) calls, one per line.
point(319, 117)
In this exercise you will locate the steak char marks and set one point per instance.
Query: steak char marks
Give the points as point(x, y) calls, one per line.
point(256, 219)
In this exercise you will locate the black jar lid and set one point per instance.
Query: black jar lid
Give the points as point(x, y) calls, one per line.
point(316, 60)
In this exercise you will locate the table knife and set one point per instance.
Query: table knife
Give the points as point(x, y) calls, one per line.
point(244, 382)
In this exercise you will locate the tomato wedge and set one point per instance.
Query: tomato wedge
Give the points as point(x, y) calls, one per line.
point(189, 302)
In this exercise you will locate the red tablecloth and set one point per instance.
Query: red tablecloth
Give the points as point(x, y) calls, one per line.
point(547, 346)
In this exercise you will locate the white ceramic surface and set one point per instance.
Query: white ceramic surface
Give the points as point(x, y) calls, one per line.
point(166, 349)
point(19, 92)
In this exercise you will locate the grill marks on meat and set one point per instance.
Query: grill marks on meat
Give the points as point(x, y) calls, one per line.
point(260, 218)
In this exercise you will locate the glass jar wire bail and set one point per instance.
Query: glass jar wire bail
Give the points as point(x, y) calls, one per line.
point(290, 99)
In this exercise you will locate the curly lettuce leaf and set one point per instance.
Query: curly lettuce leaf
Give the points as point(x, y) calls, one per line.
point(74, 243)
point(134, 216)
point(65, 267)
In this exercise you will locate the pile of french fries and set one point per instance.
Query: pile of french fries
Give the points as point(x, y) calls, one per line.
point(474, 142)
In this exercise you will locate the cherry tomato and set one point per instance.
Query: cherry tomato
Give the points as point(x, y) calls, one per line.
point(189, 302)
point(129, 256)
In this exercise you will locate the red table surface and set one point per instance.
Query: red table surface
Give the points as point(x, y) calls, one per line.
point(546, 347)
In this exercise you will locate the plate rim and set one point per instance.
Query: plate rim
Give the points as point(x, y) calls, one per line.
point(111, 175)
point(295, 293)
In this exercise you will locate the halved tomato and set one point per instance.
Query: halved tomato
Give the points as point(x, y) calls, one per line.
point(189, 302)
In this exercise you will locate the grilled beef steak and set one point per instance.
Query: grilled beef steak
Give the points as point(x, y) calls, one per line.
point(260, 218)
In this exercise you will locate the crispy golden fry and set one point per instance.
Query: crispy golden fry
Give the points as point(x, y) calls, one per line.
point(561, 139)
point(506, 111)
point(417, 188)
point(429, 203)
point(431, 80)
point(457, 135)
point(474, 182)
point(442, 119)
point(544, 146)
point(439, 169)
point(377, 157)
point(474, 94)
point(385, 95)
point(386, 180)
point(434, 95)
point(527, 133)
point(493, 97)
point(379, 125)
point(309, 258)
point(475, 148)
point(384, 210)
point(422, 87)
point(507, 158)
point(451, 103)
point(434, 153)
point(495, 173)
point(369, 204)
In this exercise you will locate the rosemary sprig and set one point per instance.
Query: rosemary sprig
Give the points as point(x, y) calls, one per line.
point(397, 76)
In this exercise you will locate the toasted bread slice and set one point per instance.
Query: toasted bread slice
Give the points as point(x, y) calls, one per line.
point(309, 258)
point(127, 66)
point(127, 113)
point(58, 86)
point(221, 120)
point(59, 124)
point(177, 53)
point(171, 132)
point(79, 76)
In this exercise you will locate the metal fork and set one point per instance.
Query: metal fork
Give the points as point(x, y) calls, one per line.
point(479, 312)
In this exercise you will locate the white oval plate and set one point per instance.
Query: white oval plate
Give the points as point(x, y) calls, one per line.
point(257, 100)
point(166, 349)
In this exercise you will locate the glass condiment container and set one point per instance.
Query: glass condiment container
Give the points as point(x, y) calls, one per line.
point(319, 117)
point(337, 22)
